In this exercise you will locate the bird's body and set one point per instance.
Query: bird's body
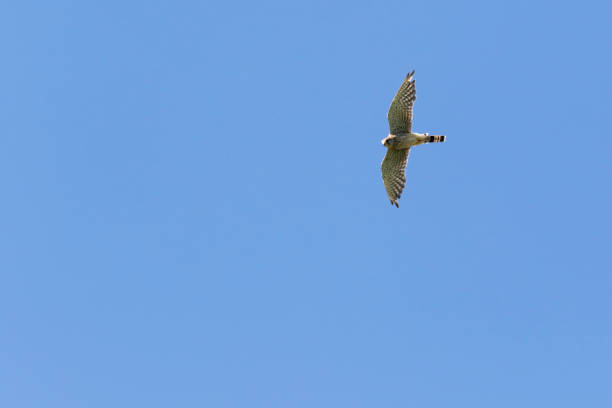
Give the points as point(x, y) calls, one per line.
point(407, 140)
point(401, 139)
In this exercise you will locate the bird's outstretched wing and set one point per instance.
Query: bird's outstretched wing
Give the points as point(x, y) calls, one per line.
point(393, 167)
point(400, 111)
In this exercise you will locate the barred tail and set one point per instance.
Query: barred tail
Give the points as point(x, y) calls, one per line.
point(436, 139)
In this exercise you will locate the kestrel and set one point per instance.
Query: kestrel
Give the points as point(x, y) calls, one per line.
point(401, 139)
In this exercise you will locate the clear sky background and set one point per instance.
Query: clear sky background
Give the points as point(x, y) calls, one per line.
point(193, 213)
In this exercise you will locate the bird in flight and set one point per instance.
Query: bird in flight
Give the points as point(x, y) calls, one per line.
point(401, 139)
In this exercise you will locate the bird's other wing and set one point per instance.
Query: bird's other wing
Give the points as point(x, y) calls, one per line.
point(400, 111)
point(393, 166)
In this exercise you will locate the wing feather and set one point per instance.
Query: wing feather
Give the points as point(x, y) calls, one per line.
point(393, 173)
point(400, 111)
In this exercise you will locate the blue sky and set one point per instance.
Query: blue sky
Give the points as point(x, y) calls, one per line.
point(193, 212)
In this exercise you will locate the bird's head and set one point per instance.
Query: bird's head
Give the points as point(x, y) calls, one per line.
point(387, 141)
